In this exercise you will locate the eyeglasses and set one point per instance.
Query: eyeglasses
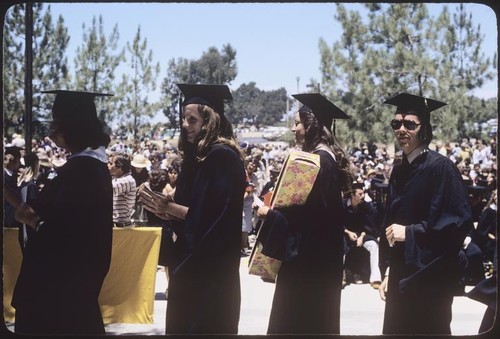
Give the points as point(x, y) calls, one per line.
point(408, 124)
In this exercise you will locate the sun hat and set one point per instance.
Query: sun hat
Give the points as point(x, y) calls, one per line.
point(140, 161)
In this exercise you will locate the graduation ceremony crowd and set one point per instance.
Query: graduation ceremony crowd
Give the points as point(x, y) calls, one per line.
point(423, 215)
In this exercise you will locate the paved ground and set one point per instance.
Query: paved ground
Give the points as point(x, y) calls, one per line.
point(362, 310)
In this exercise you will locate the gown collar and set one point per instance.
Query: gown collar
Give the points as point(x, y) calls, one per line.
point(416, 152)
point(98, 153)
point(325, 148)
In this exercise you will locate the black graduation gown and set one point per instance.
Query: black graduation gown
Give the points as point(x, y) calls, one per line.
point(486, 292)
point(424, 270)
point(66, 261)
point(309, 240)
point(204, 288)
point(487, 224)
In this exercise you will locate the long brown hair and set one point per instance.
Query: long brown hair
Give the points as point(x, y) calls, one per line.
point(215, 130)
point(316, 134)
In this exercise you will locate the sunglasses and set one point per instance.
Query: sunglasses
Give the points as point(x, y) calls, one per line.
point(408, 124)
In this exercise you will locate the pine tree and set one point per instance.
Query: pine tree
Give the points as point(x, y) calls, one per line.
point(135, 108)
point(96, 62)
point(461, 70)
point(401, 48)
point(50, 66)
point(347, 79)
point(13, 69)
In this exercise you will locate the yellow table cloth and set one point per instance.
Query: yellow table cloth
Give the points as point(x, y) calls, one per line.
point(127, 295)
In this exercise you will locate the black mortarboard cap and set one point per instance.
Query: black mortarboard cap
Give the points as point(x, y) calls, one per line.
point(409, 102)
point(74, 106)
point(211, 95)
point(323, 109)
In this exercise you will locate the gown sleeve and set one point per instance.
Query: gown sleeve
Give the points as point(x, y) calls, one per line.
point(307, 230)
point(277, 240)
point(448, 219)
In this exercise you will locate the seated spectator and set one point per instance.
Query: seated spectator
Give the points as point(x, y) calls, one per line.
point(472, 262)
point(478, 199)
point(486, 235)
point(360, 231)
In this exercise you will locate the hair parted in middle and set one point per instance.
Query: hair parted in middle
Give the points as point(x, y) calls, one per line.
point(213, 131)
point(316, 134)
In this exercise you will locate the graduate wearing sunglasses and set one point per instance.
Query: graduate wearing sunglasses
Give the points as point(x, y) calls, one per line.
point(427, 218)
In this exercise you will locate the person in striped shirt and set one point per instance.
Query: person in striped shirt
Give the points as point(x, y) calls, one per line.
point(124, 189)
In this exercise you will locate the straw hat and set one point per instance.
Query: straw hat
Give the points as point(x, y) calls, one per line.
point(140, 161)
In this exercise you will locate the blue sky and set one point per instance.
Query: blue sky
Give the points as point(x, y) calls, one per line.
point(275, 42)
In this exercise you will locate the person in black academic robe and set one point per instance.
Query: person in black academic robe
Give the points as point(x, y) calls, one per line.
point(204, 287)
point(480, 244)
point(309, 238)
point(68, 247)
point(485, 234)
point(362, 253)
point(427, 218)
point(486, 292)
